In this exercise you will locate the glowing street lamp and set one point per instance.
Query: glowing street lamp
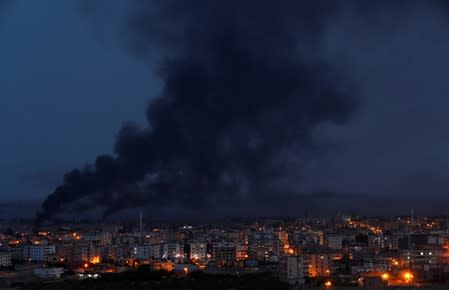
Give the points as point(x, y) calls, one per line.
point(385, 276)
point(408, 276)
point(328, 284)
point(186, 270)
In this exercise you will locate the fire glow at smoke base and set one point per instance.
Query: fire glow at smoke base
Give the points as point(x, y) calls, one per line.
point(238, 101)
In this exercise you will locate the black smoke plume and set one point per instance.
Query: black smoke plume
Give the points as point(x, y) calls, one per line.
point(240, 100)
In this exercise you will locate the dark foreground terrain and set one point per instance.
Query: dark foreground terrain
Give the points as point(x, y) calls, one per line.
point(151, 280)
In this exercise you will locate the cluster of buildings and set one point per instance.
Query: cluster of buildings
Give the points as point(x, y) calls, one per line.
point(340, 250)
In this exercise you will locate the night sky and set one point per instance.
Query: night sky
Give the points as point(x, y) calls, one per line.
point(68, 82)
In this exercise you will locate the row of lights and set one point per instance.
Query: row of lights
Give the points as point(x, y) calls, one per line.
point(407, 276)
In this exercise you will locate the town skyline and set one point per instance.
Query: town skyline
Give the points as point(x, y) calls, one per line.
point(315, 252)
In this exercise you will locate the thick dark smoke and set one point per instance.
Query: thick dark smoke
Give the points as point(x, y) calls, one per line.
point(240, 100)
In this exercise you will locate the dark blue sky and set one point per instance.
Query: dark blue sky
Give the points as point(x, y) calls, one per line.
point(66, 86)
point(64, 94)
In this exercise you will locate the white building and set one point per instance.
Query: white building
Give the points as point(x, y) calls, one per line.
point(38, 252)
point(241, 251)
point(172, 251)
point(5, 259)
point(291, 270)
point(156, 251)
point(198, 251)
point(105, 238)
point(335, 241)
point(49, 273)
point(143, 252)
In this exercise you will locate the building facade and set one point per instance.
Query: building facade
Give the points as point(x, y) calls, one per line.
point(5, 259)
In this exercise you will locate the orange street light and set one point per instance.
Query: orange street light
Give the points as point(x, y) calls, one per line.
point(408, 276)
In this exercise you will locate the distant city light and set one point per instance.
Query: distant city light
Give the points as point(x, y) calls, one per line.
point(408, 277)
